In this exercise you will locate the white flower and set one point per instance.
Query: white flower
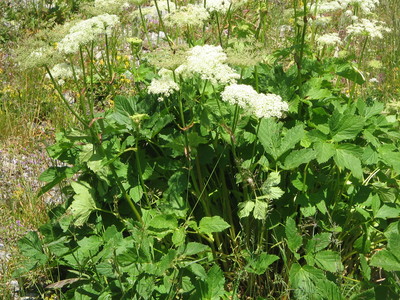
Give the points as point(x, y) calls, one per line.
point(190, 15)
point(374, 80)
point(110, 5)
point(220, 6)
point(63, 71)
point(87, 31)
point(367, 6)
point(329, 39)
point(257, 104)
point(165, 85)
point(369, 28)
point(208, 62)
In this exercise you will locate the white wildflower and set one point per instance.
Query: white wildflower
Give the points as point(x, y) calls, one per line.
point(64, 71)
point(369, 28)
point(164, 8)
point(367, 6)
point(329, 39)
point(87, 31)
point(257, 104)
point(110, 5)
point(220, 6)
point(164, 86)
point(190, 15)
point(209, 62)
point(374, 80)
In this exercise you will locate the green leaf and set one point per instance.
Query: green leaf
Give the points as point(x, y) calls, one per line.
point(193, 248)
point(365, 269)
point(164, 222)
point(318, 242)
point(269, 134)
point(304, 279)
point(387, 260)
point(291, 138)
point(329, 261)
point(209, 225)
point(350, 72)
point(365, 295)
point(260, 210)
point(388, 211)
point(344, 127)
point(83, 204)
point(299, 157)
point(324, 151)
point(294, 239)
point(31, 247)
point(345, 158)
point(179, 236)
point(274, 141)
point(215, 283)
point(245, 208)
point(259, 264)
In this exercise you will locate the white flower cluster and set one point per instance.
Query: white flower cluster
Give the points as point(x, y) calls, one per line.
point(63, 71)
point(209, 62)
point(366, 6)
point(220, 6)
point(329, 39)
point(164, 7)
point(257, 104)
point(164, 86)
point(373, 29)
point(110, 5)
point(190, 15)
point(86, 31)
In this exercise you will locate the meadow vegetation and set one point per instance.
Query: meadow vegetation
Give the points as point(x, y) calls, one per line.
point(217, 149)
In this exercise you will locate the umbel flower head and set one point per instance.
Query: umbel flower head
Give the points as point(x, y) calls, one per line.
point(190, 15)
point(329, 39)
point(372, 28)
point(63, 71)
point(87, 31)
point(253, 103)
point(220, 6)
point(163, 86)
point(209, 62)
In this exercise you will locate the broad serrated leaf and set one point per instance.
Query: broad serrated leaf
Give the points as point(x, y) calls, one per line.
point(209, 225)
point(260, 210)
point(345, 159)
point(324, 151)
point(215, 283)
point(245, 208)
point(319, 242)
point(179, 236)
point(386, 259)
point(298, 157)
point(83, 204)
point(388, 211)
point(344, 127)
point(259, 264)
point(291, 138)
point(294, 239)
point(329, 261)
point(31, 247)
point(193, 248)
point(350, 72)
point(269, 136)
point(164, 222)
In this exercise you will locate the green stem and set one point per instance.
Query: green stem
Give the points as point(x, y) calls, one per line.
point(146, 31)
point(218, 29)
point(58, 89)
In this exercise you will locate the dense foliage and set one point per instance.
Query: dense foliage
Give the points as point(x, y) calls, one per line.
point(200, 182)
